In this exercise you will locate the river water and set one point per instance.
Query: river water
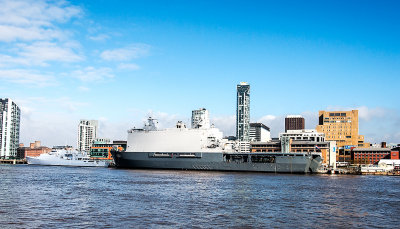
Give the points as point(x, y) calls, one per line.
point(54, 197)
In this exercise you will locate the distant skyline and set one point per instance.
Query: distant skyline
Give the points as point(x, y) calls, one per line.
point(118, 61)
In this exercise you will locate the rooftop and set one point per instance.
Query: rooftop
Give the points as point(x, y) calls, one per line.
point(294, 116)
point(259, 124)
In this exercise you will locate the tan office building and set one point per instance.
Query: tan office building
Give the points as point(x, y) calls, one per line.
point(342, 127)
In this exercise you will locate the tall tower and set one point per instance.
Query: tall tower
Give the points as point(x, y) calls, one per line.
point(87, 132)
point(9, 128)
point(243, 112)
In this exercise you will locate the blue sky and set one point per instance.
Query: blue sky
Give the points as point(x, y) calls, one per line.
point(120, 61)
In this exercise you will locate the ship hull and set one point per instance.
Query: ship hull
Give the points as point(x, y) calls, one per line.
point(273, 163)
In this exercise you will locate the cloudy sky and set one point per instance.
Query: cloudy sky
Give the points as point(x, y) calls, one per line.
point(118, 61)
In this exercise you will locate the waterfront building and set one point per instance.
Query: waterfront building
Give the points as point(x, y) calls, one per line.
point(200, 118)
point(272, 146)
point(372, 155)
point(294, 122)
point(304, 140)
point(304, 135)
point(259, 132)
point(10, 115)
point(101, 148)
point(34, 150)
point(342, 127)
point(382, 167)
point(87, 132)
point(289, 145)
point(243, 112)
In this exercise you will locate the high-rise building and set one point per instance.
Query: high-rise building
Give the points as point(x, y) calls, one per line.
point(342, 127)
point(294, 122)
point(10, 115)
point(200, 119)
point(259, 132)
point(87, 132)
point(243, 112)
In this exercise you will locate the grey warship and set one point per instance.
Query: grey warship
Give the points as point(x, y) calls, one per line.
point(203, 148)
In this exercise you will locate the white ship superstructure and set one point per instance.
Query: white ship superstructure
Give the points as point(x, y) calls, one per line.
point(178, 139)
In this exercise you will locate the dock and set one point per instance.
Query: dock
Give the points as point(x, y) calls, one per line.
point(13, 161)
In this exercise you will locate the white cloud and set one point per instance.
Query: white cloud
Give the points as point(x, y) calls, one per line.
point(28, 77)
point(125, 66)
point(71, 105)
point(7, 61)
point(100, 37)
point(227, 124)
point(83, 88)
point(40, 53)
point(311, 119)
point(13, 33)
point(32, 33)
point(53, 121)
point(114, 130)
point(127, 53)
point(61, 104)
point(369, 113)
point(51, 128)
point(275, 123)
point(34, 20)
point(93, 74)
point(267, 118)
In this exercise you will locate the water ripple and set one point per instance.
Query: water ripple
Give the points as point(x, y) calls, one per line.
point(52, 197)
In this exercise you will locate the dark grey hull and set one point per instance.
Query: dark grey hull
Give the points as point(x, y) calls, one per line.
point(253, 162)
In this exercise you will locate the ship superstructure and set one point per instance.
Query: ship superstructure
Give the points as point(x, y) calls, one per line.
point(178, 139)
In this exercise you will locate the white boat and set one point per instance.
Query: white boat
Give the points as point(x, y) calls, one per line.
point(62, 157)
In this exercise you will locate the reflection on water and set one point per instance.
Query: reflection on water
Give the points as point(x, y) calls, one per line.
point(50, 197)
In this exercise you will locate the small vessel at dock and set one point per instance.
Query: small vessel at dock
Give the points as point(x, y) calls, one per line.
point(63, 157)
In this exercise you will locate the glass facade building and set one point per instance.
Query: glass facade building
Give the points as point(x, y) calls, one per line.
point(10, 115)
point(243, 112)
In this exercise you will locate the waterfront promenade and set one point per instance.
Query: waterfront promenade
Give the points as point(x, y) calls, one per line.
point(12, 161)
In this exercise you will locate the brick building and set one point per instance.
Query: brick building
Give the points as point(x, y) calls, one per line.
point(294, 122)
point(371, 155)
point(34, 150)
